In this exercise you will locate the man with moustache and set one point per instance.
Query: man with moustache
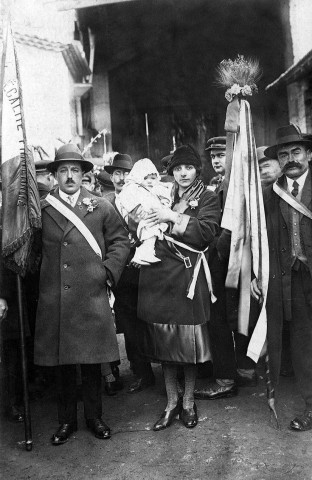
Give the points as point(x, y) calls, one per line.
point(126, 293)
point(288, 204)
point(84, 249)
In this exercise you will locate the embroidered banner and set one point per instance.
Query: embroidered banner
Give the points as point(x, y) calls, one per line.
point(21, 205)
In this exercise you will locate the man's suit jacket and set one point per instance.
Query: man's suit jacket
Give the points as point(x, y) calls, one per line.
point(280, 256)
point(74, 322)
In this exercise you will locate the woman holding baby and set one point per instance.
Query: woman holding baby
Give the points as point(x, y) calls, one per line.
point(175, 293)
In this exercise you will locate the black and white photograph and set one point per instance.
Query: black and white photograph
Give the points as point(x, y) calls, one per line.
point(156, 240)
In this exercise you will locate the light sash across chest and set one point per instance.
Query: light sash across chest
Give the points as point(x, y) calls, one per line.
point(292, 201)
point(75, 220)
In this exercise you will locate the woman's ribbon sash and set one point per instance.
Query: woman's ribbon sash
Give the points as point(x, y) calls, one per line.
point(201, 260)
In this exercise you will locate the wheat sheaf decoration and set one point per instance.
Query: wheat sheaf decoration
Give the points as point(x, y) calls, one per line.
point(239, 76)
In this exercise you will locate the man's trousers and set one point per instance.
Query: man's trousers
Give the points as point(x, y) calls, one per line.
point(67, 392)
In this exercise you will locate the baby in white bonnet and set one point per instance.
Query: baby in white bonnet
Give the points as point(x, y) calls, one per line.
point(143, 188)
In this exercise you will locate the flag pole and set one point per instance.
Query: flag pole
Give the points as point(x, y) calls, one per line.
point(147, 135)
point(27, 416)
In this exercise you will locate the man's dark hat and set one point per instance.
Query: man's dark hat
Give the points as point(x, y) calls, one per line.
point(69, 153)
point(184, 155)
point(260, 154)
point(121, 160)
point(41, 166)
point(288, 134)
point(216, 143)
point(104, 179)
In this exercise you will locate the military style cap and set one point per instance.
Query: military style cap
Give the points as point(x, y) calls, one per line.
point(288, 134)
point(41, 166)
point(69, 153)
point(216, 143)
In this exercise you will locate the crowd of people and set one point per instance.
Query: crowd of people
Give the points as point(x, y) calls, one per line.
point(156, 245)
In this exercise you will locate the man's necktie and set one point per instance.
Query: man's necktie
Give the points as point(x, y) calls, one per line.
point(295, 189)
point(70, 200)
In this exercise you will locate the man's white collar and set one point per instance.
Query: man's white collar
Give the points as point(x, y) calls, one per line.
point(64, 196)
point(299, 180)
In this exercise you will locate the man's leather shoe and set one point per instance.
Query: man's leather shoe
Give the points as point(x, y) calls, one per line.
point(302, 423)
point(63, 433)
point(167, 418)
point(189, 416)
point(99, 428)
point(215, 391)
point(141, 384)
point(14, 414)
point(110, 389)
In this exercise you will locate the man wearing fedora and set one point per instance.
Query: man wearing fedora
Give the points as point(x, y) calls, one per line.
point(269, 168)
point(288, 204)
point(84, 249)
point(126, 293)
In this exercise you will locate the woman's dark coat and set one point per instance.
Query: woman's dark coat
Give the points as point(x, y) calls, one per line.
point(175, 327)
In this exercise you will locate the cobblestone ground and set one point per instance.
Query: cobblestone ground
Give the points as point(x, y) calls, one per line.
point(233, 440)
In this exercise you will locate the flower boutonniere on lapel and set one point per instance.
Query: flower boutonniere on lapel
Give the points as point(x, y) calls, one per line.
point(91, 203)
point(193, 203)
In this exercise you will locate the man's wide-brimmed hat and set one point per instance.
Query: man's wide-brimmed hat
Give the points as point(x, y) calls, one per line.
point(287, 134)
point(216, 143)
point(69, 153)
point(121, 161)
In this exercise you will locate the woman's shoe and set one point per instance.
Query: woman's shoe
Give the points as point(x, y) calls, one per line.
point(189, 416)
point(167, 418)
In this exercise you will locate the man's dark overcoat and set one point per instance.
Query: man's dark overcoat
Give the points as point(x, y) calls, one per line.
point(126, 292)
point(279, 292)
point(74, 323)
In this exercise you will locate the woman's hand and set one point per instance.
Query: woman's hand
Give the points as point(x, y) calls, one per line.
point(255, 290)
point(159, 215)
point(3, 308)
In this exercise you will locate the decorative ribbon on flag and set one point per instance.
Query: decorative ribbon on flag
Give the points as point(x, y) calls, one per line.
point(21, 205)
